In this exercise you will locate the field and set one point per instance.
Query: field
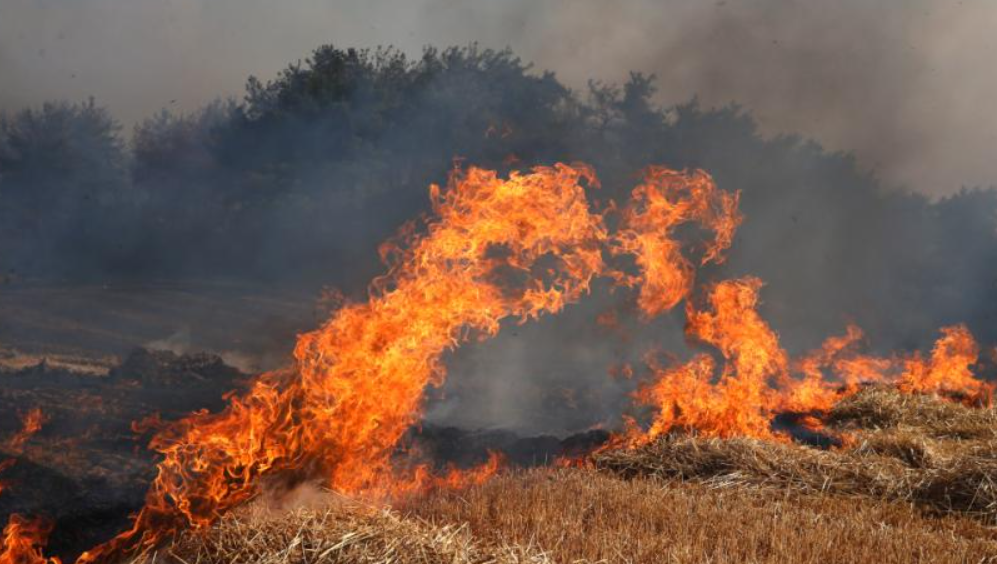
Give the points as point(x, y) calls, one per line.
point(898, 478)
point(93, 326)
point(913, 483)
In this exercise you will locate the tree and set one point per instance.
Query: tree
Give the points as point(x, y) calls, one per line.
point(62, 175)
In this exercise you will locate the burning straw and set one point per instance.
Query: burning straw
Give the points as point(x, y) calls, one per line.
point(919, 449)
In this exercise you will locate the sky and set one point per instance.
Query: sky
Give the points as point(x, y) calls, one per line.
point(906, 85)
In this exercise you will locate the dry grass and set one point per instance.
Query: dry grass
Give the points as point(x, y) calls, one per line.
point(938, 455)
point(337, 534)
point(679, 500)
point(880, 408)
point(586, 516)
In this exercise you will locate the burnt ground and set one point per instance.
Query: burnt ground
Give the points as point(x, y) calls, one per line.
point(250, 326)
point(86, 469)
point(84, 356)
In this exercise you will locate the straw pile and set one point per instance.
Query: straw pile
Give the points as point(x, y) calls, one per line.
point(354, 535)
point(938, 455)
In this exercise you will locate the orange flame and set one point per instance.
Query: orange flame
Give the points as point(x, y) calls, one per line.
point(949, 369)
point(494, 251)
point(756, 381)
point(742, 401)
point(31, 423)
point(816, 390)
point(663, 201)
point(23, 540)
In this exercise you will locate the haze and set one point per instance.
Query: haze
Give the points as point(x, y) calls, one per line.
point(906, 86)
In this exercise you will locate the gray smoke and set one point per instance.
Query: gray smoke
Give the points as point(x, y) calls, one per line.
point(303, 197)
point(905, 85)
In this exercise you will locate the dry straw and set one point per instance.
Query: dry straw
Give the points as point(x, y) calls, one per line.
point(936, 454)
point(355, 535)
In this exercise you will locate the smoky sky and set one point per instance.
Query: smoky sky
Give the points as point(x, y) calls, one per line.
point(906, 86)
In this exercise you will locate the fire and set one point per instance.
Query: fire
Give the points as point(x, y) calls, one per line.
point(31, 423)
point(495, 249)
point(828, 373)
point(663, 201)
point(500, 250)
point(948, 370)
point(758, 380)
point(23, 541)
point(742, 401)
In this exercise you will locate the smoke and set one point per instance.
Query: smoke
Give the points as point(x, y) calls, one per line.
point(304, 197)
point(903, 85)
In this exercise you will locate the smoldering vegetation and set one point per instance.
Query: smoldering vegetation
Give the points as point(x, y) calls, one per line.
point(86, 466)
point(914, 484)
point(916, 449)
point(295, 186)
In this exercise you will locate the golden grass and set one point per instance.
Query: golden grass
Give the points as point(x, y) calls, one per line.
point(337, 534)
point(580, 515)
point(879, 408)
point(939, 455)
point(585, 516)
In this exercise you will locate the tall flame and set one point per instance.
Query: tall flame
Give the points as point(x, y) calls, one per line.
point(663, 201)
point(758, 380)
point(495, 250)
point(742, 401)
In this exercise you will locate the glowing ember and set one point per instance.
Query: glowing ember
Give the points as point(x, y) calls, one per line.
point(31, 423)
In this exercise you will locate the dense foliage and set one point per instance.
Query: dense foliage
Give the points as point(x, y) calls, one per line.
point(299, 182)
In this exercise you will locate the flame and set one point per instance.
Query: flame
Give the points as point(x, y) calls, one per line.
point(663, 201)
point(949, 369)
point(816, 390)
point(758, 381)
point(23, 541)
point(742, 401)
point(31, 423)
point(501, 250)
point(495, 249)
point(456, 478)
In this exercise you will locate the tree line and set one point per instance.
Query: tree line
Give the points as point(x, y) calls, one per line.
point(298, 182)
